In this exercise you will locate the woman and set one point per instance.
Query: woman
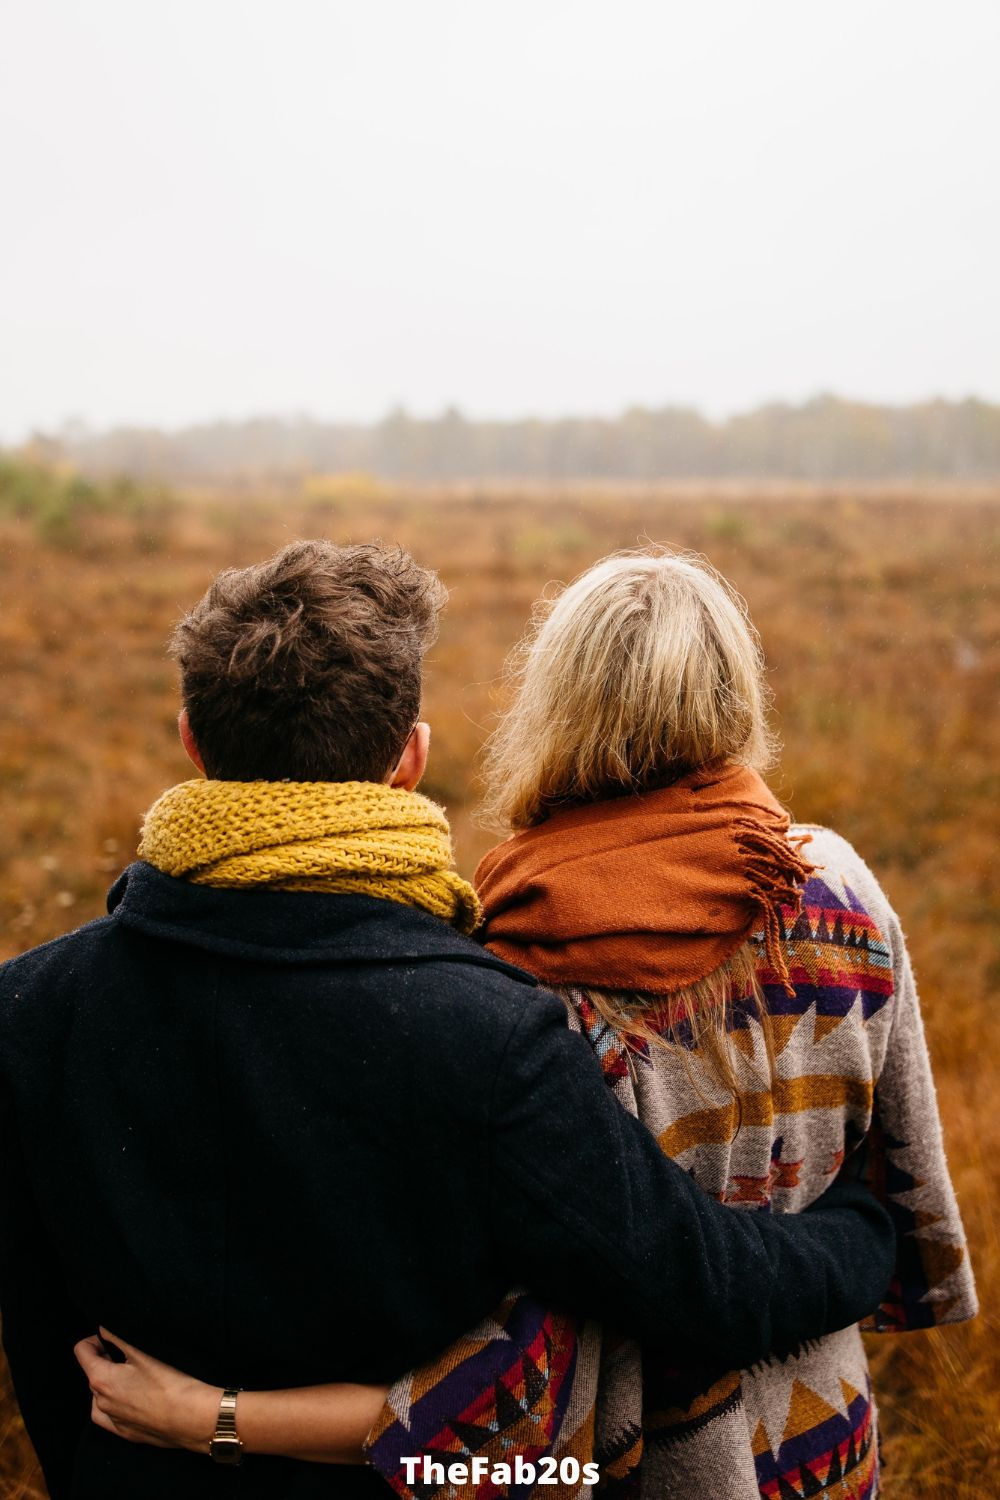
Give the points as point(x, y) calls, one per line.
point(747, 989)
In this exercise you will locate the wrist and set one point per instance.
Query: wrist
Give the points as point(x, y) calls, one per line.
point(196, 1411)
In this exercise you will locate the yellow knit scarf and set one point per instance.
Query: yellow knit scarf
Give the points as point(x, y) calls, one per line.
point(348, 837)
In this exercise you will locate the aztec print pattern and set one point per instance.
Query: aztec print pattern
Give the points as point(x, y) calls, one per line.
point(504, 1389)
point(852, 1079)
point(823, 1451)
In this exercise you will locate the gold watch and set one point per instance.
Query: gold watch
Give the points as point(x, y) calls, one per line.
point(225, 1446)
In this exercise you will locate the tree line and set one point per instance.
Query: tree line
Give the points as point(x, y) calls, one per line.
point(822, 439)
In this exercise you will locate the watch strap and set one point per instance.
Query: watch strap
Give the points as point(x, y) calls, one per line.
point(225, 1446)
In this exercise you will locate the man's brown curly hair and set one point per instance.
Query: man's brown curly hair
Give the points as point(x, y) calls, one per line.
point(307, 667)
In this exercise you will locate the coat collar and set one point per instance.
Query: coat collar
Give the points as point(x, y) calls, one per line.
point(289, 926)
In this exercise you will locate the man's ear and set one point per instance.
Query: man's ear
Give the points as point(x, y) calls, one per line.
point(188, 741)
point(413, 762)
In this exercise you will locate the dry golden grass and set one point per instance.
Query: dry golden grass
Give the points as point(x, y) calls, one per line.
point(881, 621)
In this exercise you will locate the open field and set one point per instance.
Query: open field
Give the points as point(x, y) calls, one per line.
point(880, 615)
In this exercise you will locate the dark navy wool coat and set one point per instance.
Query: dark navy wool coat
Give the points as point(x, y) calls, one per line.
point(277, 1138)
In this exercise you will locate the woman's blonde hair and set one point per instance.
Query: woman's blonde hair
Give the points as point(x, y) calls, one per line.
point(643, 669)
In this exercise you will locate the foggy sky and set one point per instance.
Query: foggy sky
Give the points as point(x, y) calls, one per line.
point(225, 207)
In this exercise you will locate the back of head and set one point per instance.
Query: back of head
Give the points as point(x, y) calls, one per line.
point(307, 667)
point(645, 668)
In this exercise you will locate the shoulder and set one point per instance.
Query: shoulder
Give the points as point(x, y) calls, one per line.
point(474, 1004)
point(45, 982)
point(467, 1031)
point(842, 871)
point(55, 955)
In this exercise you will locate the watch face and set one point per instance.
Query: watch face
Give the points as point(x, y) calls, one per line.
point(226, 1450)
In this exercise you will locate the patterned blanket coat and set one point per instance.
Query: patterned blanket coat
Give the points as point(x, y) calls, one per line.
point(852, 1081)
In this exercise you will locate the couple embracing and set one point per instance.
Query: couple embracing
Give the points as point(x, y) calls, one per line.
point(338, 1176)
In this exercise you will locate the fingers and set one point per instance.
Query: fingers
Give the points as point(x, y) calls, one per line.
point(90, 1356)
point(104, 1376)
point(101, 1419)
point(127, 1350)
point(131, 1393)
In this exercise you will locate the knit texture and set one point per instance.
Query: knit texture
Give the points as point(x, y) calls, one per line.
point(851, 1071)
point(700, 864)
point(347, 838)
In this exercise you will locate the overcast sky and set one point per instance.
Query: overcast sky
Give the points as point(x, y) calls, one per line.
point(227, 207)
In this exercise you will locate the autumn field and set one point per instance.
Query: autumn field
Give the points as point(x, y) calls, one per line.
point(880, 615)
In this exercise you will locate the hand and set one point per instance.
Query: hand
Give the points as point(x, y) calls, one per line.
point(145, 1400)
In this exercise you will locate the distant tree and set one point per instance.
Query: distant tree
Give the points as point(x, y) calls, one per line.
point(825, 438)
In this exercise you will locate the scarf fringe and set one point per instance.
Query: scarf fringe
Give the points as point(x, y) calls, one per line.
point(652, 893)
point(775, 871)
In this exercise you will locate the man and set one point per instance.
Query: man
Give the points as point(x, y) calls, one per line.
point(275, 1119)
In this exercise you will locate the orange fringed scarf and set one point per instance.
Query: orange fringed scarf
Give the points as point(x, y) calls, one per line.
point(650, 892)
